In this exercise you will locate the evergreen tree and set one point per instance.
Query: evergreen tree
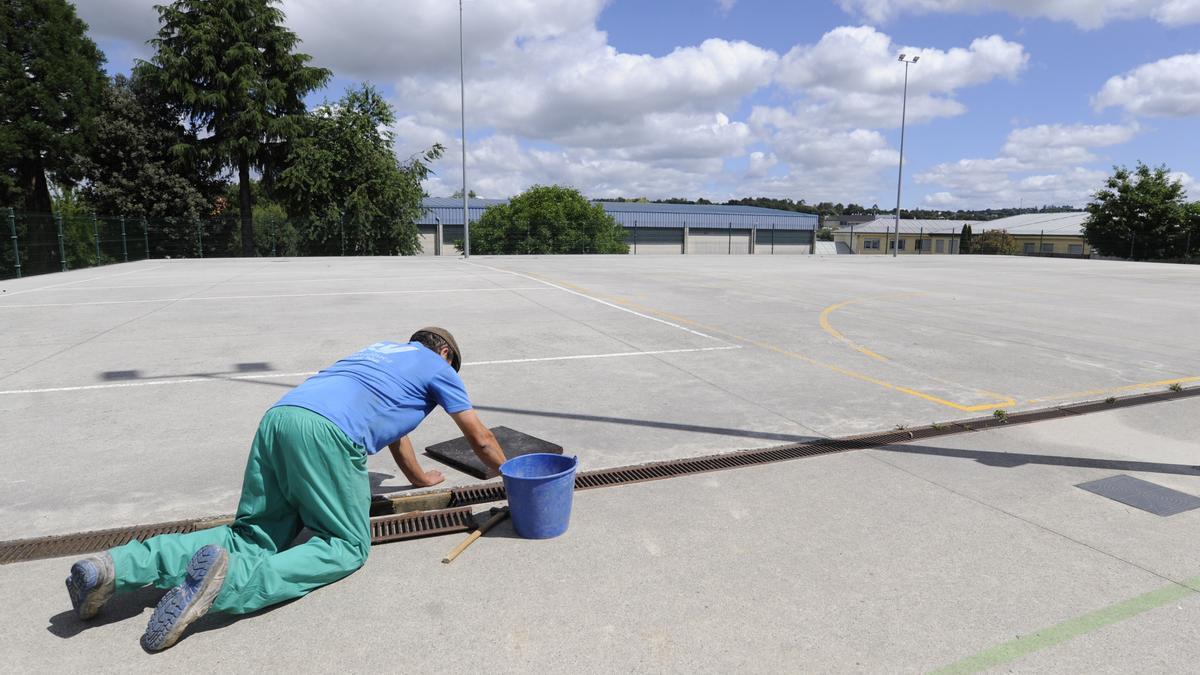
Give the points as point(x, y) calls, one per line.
point(50, 84)
point(230, 65)
point(965, 243)
point(134, 172)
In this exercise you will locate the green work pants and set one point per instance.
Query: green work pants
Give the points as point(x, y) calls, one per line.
point(303, 471)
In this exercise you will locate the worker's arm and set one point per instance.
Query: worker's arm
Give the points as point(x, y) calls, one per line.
point(482, 440)
point(406, 459)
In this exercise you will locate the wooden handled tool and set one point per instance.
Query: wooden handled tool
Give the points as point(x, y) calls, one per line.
point(497, 516)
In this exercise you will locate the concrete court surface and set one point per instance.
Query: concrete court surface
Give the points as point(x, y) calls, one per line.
point(966, 553)
point(147, 379)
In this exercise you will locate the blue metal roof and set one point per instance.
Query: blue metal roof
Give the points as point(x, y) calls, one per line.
point(448, 211)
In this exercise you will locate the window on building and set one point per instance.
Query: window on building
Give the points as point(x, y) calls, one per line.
point(1029, 248)
point(941, 245)
point(870, 243)
point(1048, 248)
point(1076, 249)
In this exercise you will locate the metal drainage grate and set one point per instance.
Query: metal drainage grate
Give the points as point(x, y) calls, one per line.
point(421, 524)
point(88, 542)
point(383, 529)
point(457, 517)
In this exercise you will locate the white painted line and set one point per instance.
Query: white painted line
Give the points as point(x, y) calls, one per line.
point(603, 356)
point(283, 281)
point(603, 302)
point(78, 281)
point(280, 295)
point(270, 376)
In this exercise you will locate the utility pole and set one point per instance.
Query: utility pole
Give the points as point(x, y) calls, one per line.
point(462, 93)
point(900, 173)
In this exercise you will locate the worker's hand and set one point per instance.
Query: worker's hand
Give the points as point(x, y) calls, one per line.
point(430, 478)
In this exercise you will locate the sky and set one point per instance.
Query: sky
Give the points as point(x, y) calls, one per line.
point(1012, 102)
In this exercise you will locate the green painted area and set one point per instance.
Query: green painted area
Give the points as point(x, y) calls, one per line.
point(1072, 628)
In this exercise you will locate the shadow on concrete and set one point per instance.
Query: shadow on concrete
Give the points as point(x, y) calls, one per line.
point(240, 369)
point(1014, 459)
point(120, 607)
point(653, 424)
point(378, 488)
point(129, 605)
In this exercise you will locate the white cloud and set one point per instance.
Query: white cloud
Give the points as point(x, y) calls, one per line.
point(1086, 14)
point(1166, 88)
point(851, 75)
point(1038, 165)
point(726, 5)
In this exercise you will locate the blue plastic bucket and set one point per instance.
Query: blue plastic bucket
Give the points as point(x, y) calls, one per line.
point(539, 487)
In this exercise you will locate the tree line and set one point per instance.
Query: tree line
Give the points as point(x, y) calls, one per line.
point(212, 127)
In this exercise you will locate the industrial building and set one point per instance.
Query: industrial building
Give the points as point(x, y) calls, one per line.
point(1050, 234)
point(698, 229)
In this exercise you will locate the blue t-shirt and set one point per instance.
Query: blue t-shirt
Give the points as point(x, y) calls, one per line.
point(381, 393)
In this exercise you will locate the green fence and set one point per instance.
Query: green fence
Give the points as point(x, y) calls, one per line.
point(39, 243)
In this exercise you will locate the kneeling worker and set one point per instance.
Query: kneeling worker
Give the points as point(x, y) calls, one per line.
point(307, 468)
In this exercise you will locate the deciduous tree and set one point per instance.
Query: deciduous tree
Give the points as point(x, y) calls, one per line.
point(547, 219)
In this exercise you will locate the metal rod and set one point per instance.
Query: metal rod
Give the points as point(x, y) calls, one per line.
point(462, 96)
point(124, 240)
point(146, 238)
point(96, 234)
point(62, 250)
point(12, 230)
point(200, 237)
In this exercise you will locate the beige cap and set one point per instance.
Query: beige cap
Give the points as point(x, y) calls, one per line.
point(455, 354)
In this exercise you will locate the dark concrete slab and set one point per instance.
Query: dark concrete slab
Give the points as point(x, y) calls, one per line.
point(457, 453)
point(1142, 494)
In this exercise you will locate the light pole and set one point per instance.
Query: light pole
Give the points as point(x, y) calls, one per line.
point(462, 93)
point(900, 172)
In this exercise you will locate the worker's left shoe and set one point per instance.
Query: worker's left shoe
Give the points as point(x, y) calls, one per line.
point(188, 601)
point(91, 584)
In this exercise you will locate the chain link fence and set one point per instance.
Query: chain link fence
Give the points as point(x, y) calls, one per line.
point(39, 243)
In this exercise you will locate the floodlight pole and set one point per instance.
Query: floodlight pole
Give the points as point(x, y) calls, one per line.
point(900, 171)
point(462, 93)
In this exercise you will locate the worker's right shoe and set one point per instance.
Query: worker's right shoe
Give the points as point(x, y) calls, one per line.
point(188, 601)
point(91, 584)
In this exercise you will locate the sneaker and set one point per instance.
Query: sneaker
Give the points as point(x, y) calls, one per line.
point(188, 601)
point(91, 584)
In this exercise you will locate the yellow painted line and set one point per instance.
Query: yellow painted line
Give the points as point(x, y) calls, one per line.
point(828, 328)
point(1000, 402)
point(1115, 390)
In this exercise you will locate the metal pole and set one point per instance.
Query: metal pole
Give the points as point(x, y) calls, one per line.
point(921, 238)
point(12, 230)
point(772, 238)
point(635, 229)
point(342, 230)
point(1187, 248)
point(1041, 238)
point(96, 234)
point(729, 250)
point(900, 171)
point(274, 237)
point(1132, 239)
point(62, 250)
point(200, 237)
point(124, 240)
point(852, 237)
point(146, 238)
point(462, 97)
point(437, 233)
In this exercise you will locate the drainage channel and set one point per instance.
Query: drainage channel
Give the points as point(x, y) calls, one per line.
point(449, 511)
